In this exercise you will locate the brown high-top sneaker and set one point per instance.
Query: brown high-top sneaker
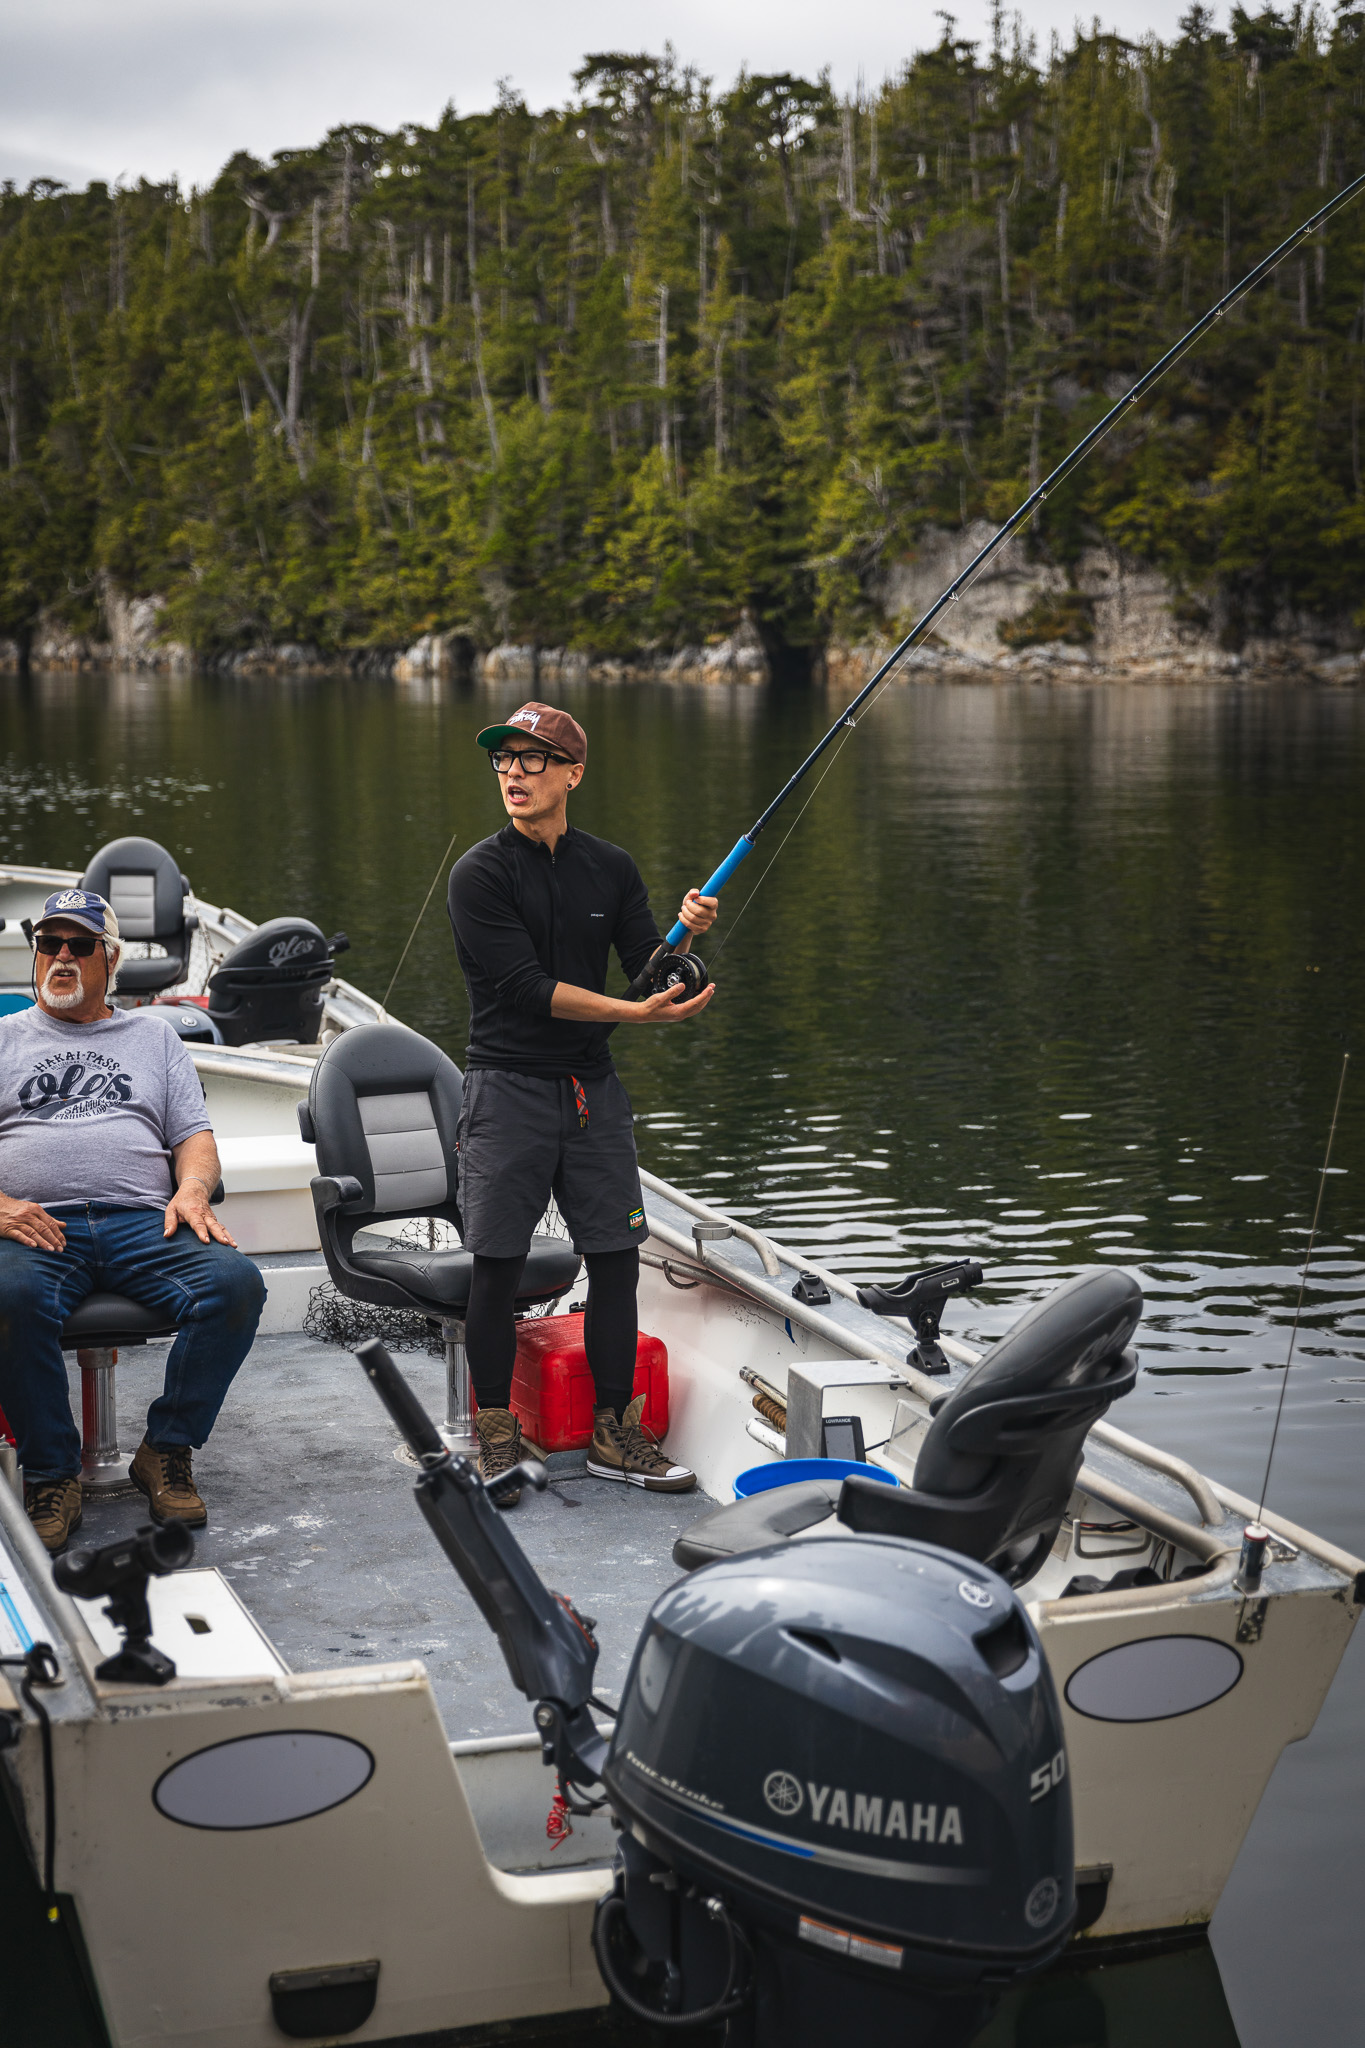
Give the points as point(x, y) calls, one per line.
point(166, 1475)
point(626, 1450)
point(499, 1433)
point(54, 1508)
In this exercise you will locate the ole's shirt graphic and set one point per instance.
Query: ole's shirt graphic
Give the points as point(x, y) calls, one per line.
point(90, 1112)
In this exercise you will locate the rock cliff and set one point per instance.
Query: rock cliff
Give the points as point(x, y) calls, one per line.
point(1111, 618)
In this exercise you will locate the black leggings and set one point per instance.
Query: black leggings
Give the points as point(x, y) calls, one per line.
point(610, 1327)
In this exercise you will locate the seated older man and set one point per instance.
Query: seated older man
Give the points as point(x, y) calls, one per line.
point(107, 1162)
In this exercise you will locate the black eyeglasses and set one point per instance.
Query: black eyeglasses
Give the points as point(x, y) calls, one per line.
point(534, 760)
point(50, 944)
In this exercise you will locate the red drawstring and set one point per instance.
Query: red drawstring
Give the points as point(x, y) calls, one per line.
point(558, 1825)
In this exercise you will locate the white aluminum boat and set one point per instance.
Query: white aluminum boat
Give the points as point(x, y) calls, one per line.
point(363, 1817)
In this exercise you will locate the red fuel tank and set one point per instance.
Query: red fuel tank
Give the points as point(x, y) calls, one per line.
point(552, 1389)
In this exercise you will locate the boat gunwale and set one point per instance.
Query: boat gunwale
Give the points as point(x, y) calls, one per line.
point(1200, 1541)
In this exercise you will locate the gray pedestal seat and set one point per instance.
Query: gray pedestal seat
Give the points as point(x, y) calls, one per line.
point(382, 1110)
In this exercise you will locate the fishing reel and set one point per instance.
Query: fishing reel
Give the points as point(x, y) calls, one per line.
point(666, 969)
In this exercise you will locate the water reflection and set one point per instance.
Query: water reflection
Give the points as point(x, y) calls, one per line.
point(1175, 2001)
point(1046, 974)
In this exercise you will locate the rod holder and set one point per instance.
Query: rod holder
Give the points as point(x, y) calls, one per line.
point(1255, 1542)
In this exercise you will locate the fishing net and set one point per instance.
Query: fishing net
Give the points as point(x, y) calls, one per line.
point(334, 1318)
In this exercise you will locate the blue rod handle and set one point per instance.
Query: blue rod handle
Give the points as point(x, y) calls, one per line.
point(740, 851)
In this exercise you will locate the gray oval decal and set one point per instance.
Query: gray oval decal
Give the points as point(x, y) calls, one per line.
point(263, 1781)
point(1154, 1679)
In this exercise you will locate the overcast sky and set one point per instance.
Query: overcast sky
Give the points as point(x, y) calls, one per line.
point(146, 88)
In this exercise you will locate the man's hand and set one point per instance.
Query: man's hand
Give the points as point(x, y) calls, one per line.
point(29, 1223)
point(667, 1007)
point(190, 1204)
point(698, 913)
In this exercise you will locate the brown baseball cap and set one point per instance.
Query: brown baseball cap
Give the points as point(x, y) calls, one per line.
point(542, 722)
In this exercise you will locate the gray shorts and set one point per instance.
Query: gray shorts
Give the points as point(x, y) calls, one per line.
point(522, 1139)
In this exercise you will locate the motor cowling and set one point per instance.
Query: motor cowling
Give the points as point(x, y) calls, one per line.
point(852, 1750)
point(270, 986)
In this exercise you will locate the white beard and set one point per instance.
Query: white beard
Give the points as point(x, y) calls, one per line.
point(55, 1001)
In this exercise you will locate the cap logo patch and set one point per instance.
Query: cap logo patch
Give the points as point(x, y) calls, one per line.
point(531, 718)
point(71, 899)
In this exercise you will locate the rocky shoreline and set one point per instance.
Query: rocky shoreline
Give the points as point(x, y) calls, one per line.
point(1108, 620)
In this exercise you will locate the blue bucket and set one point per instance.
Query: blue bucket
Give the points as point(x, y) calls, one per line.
point(791, 1471)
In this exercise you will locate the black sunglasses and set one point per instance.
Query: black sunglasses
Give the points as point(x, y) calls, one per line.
point(534, 760)
point(50, 944)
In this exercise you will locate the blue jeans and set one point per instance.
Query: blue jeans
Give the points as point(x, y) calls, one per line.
point(213, 1293)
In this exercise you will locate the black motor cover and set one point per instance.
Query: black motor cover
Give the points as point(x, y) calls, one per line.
point(190, 1021)
point(270, 986)
point(858, 1743)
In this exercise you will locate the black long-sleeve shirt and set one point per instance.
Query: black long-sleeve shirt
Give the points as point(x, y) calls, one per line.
point(525, 918)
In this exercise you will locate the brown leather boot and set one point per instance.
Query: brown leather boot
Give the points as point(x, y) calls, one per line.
point(54, 1508)
point(166, 1475)
point(499, 1433)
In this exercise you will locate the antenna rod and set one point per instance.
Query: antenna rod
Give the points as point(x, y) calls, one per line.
point(1303, 1281)
point(744, 846)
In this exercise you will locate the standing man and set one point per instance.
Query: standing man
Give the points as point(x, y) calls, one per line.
point(107, 1162)
point(536, 910)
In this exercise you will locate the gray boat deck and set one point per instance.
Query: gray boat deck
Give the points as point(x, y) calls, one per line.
point(312, 1520)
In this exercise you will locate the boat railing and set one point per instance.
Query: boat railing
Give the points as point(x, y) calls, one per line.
point(242, 1063)
point(724, 1226)
point(764, 1287)
point(1214, 1503)
point(24, 1540)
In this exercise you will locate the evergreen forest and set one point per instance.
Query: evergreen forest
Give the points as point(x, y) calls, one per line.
point(603, 376)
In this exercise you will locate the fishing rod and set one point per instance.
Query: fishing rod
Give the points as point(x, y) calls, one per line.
point(1256, 1538)
point(669, 969)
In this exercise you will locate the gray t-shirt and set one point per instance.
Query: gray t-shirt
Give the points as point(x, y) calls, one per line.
point(89, 1112)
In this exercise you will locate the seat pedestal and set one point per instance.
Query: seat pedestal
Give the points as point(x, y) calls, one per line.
point(458, 1433)
point(104, 1470)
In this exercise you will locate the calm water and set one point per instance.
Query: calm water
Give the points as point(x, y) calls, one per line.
point(1050, 975)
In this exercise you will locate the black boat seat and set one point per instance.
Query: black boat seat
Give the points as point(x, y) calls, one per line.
point(440, 1279)
point(383, 1107)
point(98, 1328)
point(146, 891)
point(105, 1321)
point(765, 1518)
point(382, 1110)
point(997, 1468)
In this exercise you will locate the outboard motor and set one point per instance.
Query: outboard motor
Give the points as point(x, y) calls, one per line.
point(271, 984)
point(190, 1021)
point(839, 1769)
point(842, 1769)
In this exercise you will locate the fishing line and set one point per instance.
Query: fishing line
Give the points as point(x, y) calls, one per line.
point(848, 723)
point(664, 968)
point(420, 915)
point(1303, 1282)
point(778, 854)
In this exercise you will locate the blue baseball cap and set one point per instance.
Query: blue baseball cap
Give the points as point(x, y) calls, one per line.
point(79, 906)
